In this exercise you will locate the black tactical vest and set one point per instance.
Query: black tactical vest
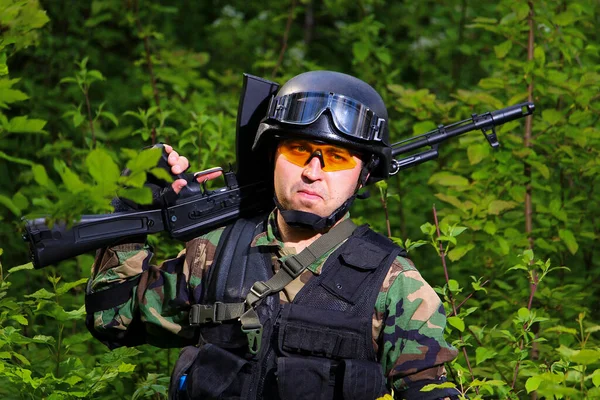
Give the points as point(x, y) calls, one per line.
point(317, 347)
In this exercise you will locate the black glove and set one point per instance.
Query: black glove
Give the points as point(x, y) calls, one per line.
point(163, 194)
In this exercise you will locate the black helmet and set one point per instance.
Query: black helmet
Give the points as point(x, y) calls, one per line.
point(335, 108)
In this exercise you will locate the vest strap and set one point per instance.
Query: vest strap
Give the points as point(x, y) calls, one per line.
point(215, 313)
point(290, 270)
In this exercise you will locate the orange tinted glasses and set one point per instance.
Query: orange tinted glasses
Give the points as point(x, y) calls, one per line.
point(332, 158)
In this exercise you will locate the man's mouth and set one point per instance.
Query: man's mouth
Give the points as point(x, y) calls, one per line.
point(310, 194)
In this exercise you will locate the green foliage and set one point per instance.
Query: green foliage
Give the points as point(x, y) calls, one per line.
point(83, 88)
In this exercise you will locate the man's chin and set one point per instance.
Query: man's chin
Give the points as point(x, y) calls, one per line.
point(312, 207)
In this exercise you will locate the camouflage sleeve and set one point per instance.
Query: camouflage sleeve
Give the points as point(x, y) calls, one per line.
point(413, 349)
point(156, 310)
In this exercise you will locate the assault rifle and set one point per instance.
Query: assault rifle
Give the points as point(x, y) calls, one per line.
point(247, 191)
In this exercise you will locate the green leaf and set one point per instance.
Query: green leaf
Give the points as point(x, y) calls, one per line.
point(502, 49)
point(453, 285)
point(458, 252)
point(491, 382)
point(3, 66)
point(125, 367)
point(161, 173)
point(457, 230)
point(40, 175)
point(434, 386)
point(542, 168)
point(41, 294)
point(428, 228)
point(533, 383)
point(448, 179)
point(64, 288)
point(539, 55)
point(596, 378)
point(477, 152)
point(423, 127)
point(20, 319)
point(490, 227)
point(384, 56)
point(24, 360)
point(521, 10)
point(457, 322)
point(552, 116)
point(110, 116)
point(21, 268)
point(20, 201)
point(492, 83)
point(69, 178)
point(116, 356)
point(361, 50)
point(95, 75)
point(523, 313)
point(145, 160)
point(16, 160)
point(564, 18)
point(482, 354)
point(102, 167)
point(8, 203)
point(569, 239)
point(503, 245)
point(8, 96)
point(496, 207)
point(25, 125)
point(68, 79)
point(562, 329)
point(586, 357)
point(140, 196)
point(455, 201)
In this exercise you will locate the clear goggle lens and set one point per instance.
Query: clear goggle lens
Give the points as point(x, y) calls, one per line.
point(349, 116)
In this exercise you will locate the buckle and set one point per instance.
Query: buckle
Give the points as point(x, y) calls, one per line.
point(260, 289)
point(292, 267)
point(204, 313)
point(254, 335)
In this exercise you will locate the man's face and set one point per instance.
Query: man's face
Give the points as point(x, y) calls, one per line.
point(302, 184)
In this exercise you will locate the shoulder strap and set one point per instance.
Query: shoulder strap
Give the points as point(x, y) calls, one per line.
point(290, 269)
point(232, 248)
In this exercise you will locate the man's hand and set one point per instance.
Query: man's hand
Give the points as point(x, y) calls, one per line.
point(180, 163)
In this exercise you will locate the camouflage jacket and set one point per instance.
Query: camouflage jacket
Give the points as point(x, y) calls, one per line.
point(408, 316)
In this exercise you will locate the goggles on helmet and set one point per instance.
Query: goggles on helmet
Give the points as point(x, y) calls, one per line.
point(349, 116)
point(332, 158)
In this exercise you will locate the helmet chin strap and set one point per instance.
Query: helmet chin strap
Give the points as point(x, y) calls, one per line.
point(314, 222)
point(310, 221)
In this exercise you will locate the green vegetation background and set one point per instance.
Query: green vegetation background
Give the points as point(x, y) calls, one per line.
point(85, 84)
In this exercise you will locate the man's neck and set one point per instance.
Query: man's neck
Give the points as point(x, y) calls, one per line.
point(297, 238)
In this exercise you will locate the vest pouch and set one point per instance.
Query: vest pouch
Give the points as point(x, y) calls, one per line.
point(210, 373)
point(303, 378)
point(363, 380)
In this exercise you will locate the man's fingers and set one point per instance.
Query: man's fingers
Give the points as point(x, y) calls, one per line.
point(173, 157)
point(208, 177)
point(178, 184)
point(182, 165)
point(168, 148)
point(208, 174)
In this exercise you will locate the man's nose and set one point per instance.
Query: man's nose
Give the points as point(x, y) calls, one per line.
point(313, 169)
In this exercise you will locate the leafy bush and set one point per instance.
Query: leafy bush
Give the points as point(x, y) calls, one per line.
point(511, 244)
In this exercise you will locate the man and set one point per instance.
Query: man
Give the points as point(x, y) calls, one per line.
point(300, 303)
